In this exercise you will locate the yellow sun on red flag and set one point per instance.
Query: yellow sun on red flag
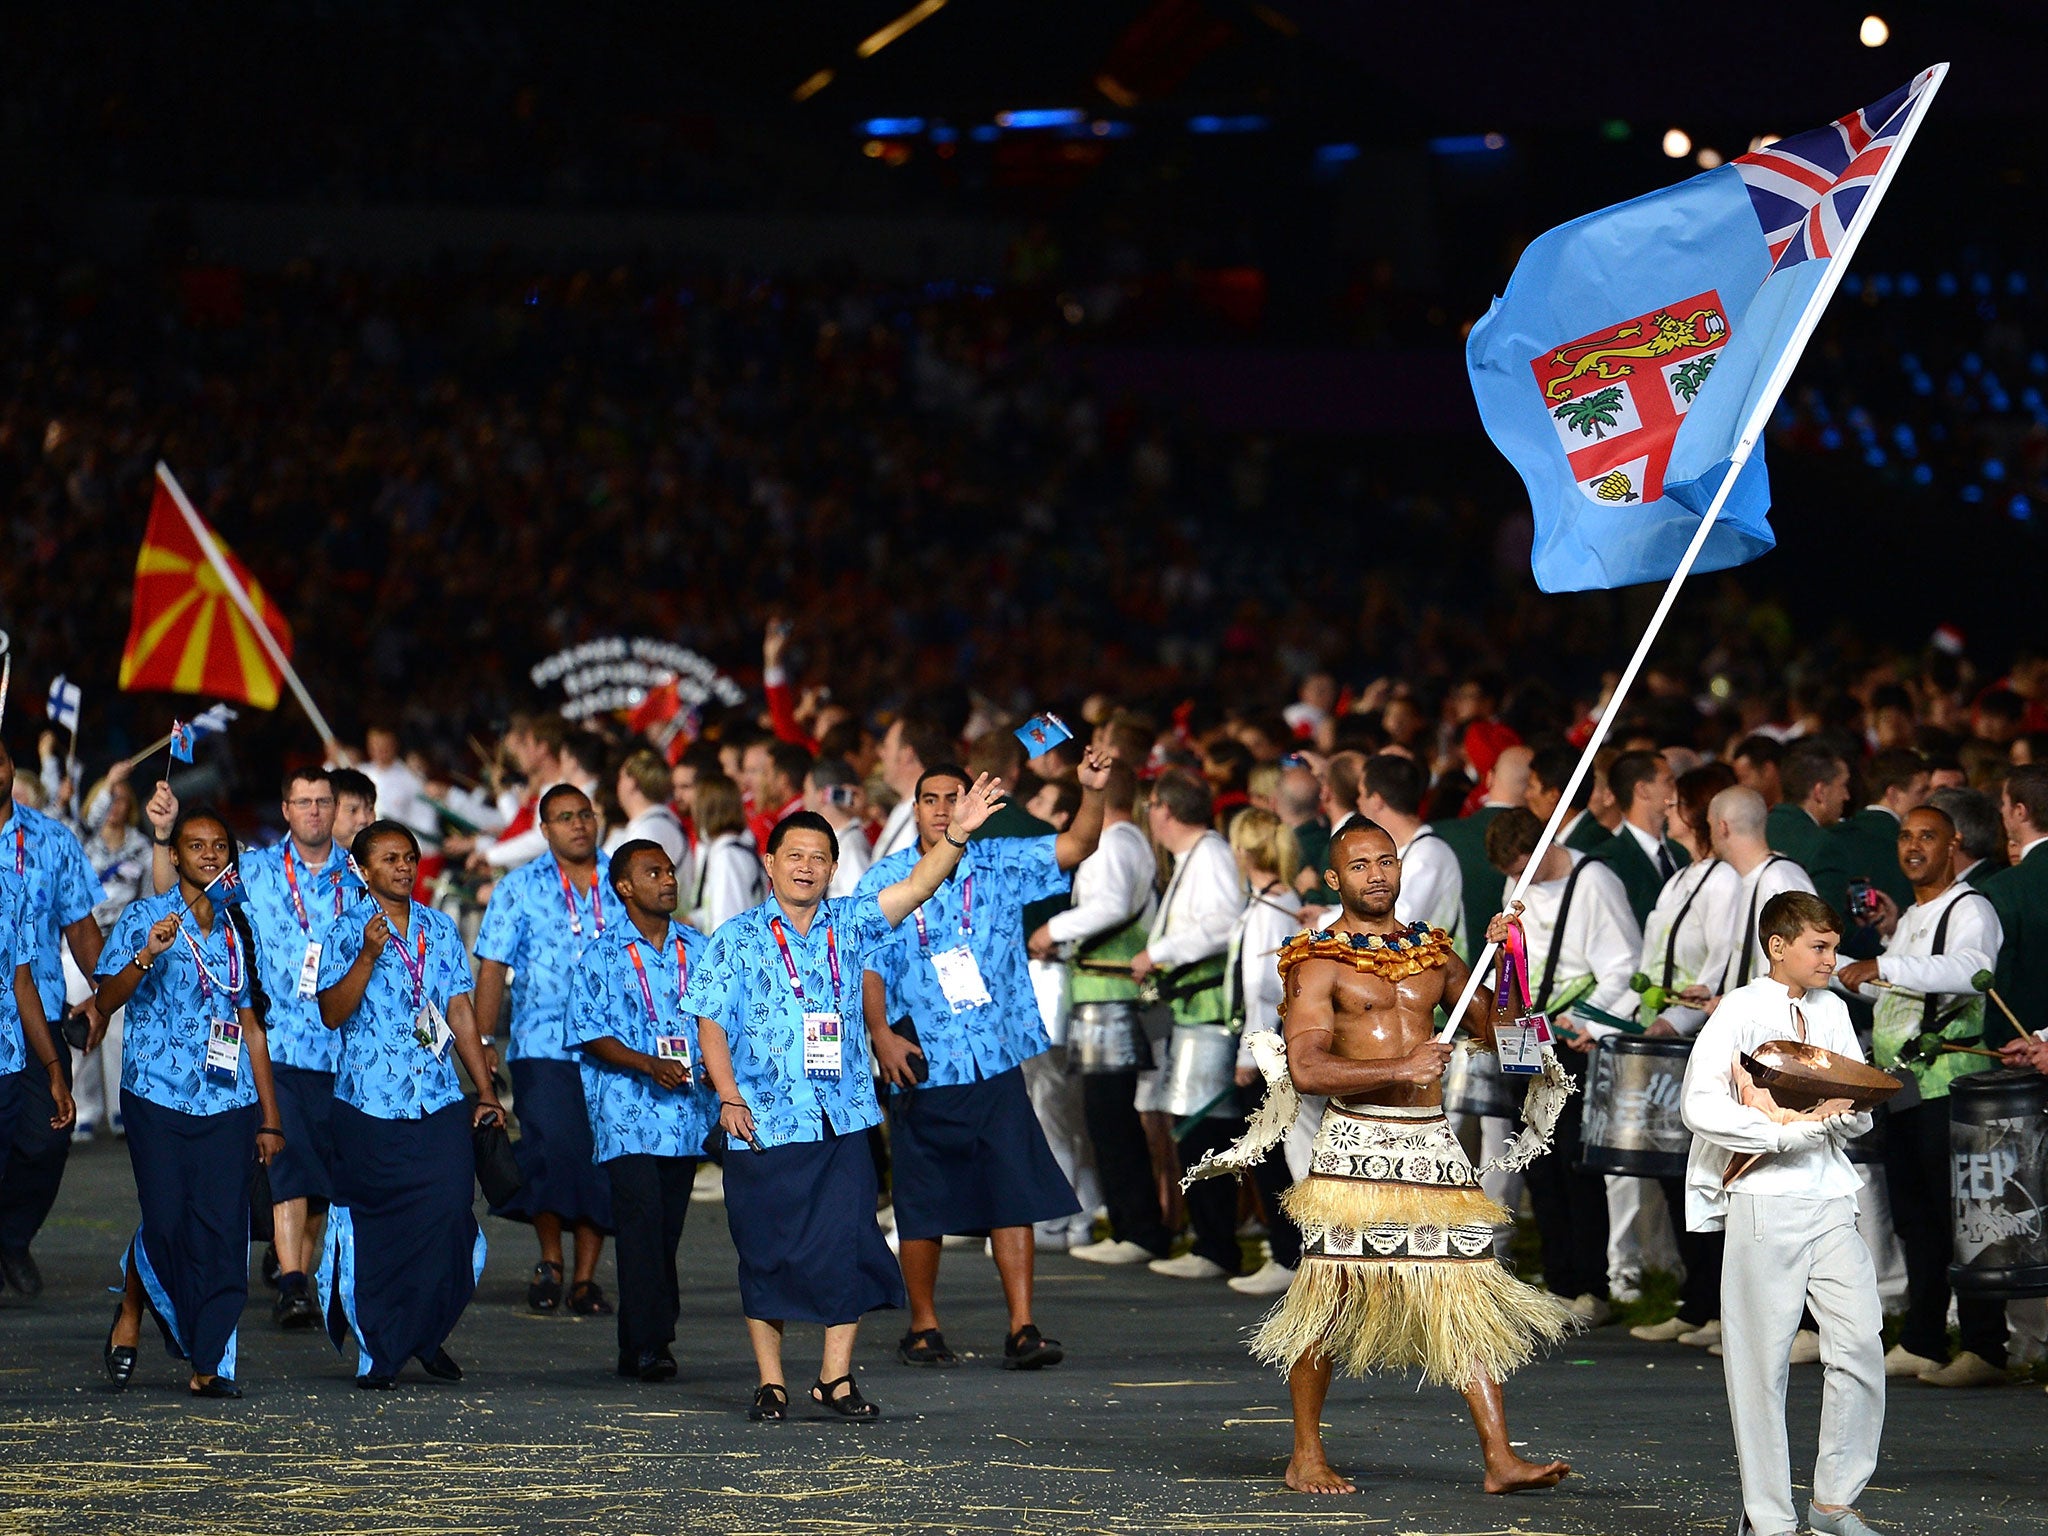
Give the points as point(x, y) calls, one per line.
point(187, 634)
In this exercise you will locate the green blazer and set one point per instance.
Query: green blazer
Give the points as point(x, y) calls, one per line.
point(1587, 836)
point(1639, 876)
point(1484, 886)
point(2021, 896)
point(1792, 832)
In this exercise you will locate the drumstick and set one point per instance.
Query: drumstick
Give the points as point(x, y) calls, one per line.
point(1982, 981)
point(1974, 1050)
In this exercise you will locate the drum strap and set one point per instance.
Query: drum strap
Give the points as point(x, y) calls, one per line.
point(1678, 922)
point(1927, 1023)
point(1564, 912)
point(1749, 928)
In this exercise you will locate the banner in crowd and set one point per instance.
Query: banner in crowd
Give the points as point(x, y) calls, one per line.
point(602, 676)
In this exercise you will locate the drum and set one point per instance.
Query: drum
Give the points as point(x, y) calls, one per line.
point(1201, 1073)
point(1105, 1037)
point(1632, 1125)
point(1475, 1085)
point(1998, 1141)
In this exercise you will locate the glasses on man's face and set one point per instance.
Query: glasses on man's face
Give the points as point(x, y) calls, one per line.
point(570, 818)
point(323, 803)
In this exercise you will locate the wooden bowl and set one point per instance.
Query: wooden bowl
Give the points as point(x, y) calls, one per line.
point(1800, 1076)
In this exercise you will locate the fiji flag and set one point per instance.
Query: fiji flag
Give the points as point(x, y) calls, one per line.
point(1637, 347)
point(226, 888)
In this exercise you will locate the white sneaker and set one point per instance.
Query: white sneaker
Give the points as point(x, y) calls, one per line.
point(1706, 1334)
point(1189, 1266)
point(1901, 1361)
point(1269, 1279)
point(81, 1133)
point(1661, 1333)
point(1968, 1369)
point(1806, 1347)
point(709, 1183)
point(1111, 1251)
point(1590, 1309)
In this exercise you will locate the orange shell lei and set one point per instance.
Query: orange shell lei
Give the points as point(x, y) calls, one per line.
point(1421, 948)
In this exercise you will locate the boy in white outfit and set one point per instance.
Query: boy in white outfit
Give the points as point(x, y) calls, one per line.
point(1791, 1225)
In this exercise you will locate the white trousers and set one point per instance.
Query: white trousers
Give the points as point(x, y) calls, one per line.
point(1784, 1255)
point(1639, 1235)
point(95, 1077)
point(1056, 1100)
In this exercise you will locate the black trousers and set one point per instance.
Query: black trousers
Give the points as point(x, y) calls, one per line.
point(650, 1200)
point(1570, 1205)
point(1700, 1301)
point(1273, 1179)
point(35, 1168)
point(1123, 1159)
point(1917, 1166)
point(1212, 1203)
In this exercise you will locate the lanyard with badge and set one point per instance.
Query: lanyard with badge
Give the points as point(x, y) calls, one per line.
point(430, 1030)
point(20, 850)
point(958, 972)
point(822, 1056)
point(596, 903)
point(667, 1047)
point(223, 1029)
point(309, 963)
point(1519, 1033)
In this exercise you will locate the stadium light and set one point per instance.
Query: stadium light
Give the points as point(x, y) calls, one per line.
point(1873, 33)
point(891, 127)
point(875, 42)
point(1677, 143)
point(1707, 159)
point(812, 86)
point(1041, 117)
point(1209, 123)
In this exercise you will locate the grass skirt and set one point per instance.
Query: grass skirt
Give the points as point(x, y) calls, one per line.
point(1397, 1269)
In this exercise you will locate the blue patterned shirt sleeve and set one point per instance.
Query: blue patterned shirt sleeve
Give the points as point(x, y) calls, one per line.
point(17, 945)
point(976, 1042)
point(527, 926)
point(62, 888)
point(297, 1037)
point(384, 1071)
point(170, 1017)
point(629, 1112)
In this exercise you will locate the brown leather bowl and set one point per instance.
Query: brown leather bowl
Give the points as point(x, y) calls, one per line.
point(1800, 1076)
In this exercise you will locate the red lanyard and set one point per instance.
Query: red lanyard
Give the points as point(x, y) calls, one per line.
point(416, 969)
point(291, 878)
point(20, 848)
point(647, 992)
point(966, 916)
point(796, 982)
point(1514, 973)
point(596, 902)
point(207, 980)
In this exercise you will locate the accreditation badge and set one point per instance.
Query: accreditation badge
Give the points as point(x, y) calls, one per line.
point(309, 970)
point(672, 1048)
point(224, 1053)
point(1519, 1047)
point(430, 1029)
point(960, 978)
point(821, 1045)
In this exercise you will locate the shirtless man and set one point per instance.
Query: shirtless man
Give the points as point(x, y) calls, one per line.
point(1399, 1235)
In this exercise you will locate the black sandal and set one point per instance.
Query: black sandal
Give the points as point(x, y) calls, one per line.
point(849, 1405)
point(587, 1300)
point(771, 1403)
point(925, 1347)
point(215, 1386)
point(544, 1290)
point(1029, 1350)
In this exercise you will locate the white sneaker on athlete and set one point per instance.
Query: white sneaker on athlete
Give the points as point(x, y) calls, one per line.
point(1806, 1347)
point(1111, 1251)
point(1968, 1369)
point(1701, 1337)
point(1661, 1333)
point(1189, 1266)
point(709, 1183)
point(1269, 1279)
point(1901, 1361)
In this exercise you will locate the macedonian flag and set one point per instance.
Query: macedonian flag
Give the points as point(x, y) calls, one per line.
point(191, 631)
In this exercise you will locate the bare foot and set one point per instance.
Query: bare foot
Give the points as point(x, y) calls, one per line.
point(1518, 1476)
point(1314, 1474)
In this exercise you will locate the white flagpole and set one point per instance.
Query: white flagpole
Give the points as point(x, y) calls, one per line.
point(240, 594)
point(1752, 430)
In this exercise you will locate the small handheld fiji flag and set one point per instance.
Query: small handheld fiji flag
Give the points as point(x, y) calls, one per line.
point(226, 888)
point(1041, 733)
point(64, 701)
point(182, 737)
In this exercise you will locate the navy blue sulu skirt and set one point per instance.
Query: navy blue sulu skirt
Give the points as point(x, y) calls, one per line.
point(557, 1167)
point(192, 1249)
point(403, 1251)
point(10, 1106)
point(305, 1103)
point(971, 1158)
point(803, 1220)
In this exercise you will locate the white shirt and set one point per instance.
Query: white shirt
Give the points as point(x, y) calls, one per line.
point(729, 881)
point(854, 859)
point(1653, 847)
point(1707, 893)
point(1971, 944)
point(401, 796)
point(1777, 873)
point(1200, 907)
point(658, 825)
point(1111, 886)
point(899, 831)
point(1432, 884)
point(1269, 921)
point(1805, 1161)
point(1601, 940)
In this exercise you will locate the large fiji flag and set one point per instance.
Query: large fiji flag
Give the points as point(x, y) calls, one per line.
point(187, 633)
point(1628, 366)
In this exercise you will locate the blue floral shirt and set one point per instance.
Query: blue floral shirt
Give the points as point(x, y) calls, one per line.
point(743, 986)
point(170, 1018)
point(384, 1071)
point(61, 889)
point(287, 917)
point(541, 930)
point(980, 908)
point(629, 1112)
point(17, 944)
